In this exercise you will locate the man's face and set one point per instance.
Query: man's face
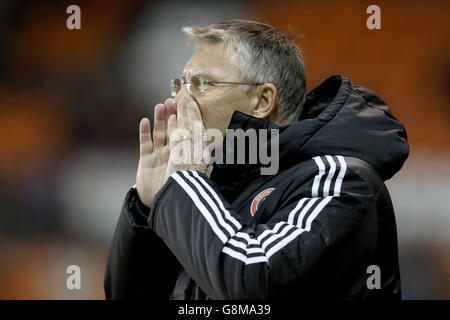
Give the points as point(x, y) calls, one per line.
point(217, 102)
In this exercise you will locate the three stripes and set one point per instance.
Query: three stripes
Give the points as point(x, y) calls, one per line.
point(240, 245)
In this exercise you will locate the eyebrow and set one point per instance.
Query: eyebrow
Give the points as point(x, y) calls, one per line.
point(203, 75)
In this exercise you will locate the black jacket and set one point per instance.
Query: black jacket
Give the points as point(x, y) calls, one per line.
point(318, 224)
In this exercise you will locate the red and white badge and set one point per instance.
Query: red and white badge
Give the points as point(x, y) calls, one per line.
point(260, 197)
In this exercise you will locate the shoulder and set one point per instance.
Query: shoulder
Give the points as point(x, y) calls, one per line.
point(324, 172)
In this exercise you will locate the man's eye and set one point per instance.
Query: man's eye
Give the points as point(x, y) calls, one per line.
point(196, 82)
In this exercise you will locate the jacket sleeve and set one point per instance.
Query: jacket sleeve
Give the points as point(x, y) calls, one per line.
point(229, 260)
point(139, 265)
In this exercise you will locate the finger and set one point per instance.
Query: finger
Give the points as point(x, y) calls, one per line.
point(193, 115)
point(159, 130)
point(182, 121)
point(171, 107)
point(145, 138)
point(192, 109)
point(171, 126)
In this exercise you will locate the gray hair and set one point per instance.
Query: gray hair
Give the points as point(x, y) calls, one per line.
point(264, 55)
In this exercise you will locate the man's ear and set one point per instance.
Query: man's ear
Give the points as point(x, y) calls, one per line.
point(265, 104)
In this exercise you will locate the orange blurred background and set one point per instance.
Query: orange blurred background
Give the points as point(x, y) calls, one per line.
point(71, 100)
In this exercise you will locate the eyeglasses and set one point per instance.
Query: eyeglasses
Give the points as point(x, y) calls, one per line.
point(197, 84)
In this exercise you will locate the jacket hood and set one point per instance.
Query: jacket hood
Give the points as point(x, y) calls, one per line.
point(340, 118)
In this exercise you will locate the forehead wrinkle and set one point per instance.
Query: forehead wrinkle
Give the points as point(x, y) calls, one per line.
point(213, 62)
point(205, 75)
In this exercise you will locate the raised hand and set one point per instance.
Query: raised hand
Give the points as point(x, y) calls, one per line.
point(154, 155)
point(176, 125)
point(187, 135)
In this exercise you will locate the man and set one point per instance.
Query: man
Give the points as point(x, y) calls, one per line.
point(322, 226)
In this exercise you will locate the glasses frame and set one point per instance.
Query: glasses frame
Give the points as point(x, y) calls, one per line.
point(175, 88)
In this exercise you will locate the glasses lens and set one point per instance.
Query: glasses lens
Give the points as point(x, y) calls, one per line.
point(196, 84)
point(175, 86)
